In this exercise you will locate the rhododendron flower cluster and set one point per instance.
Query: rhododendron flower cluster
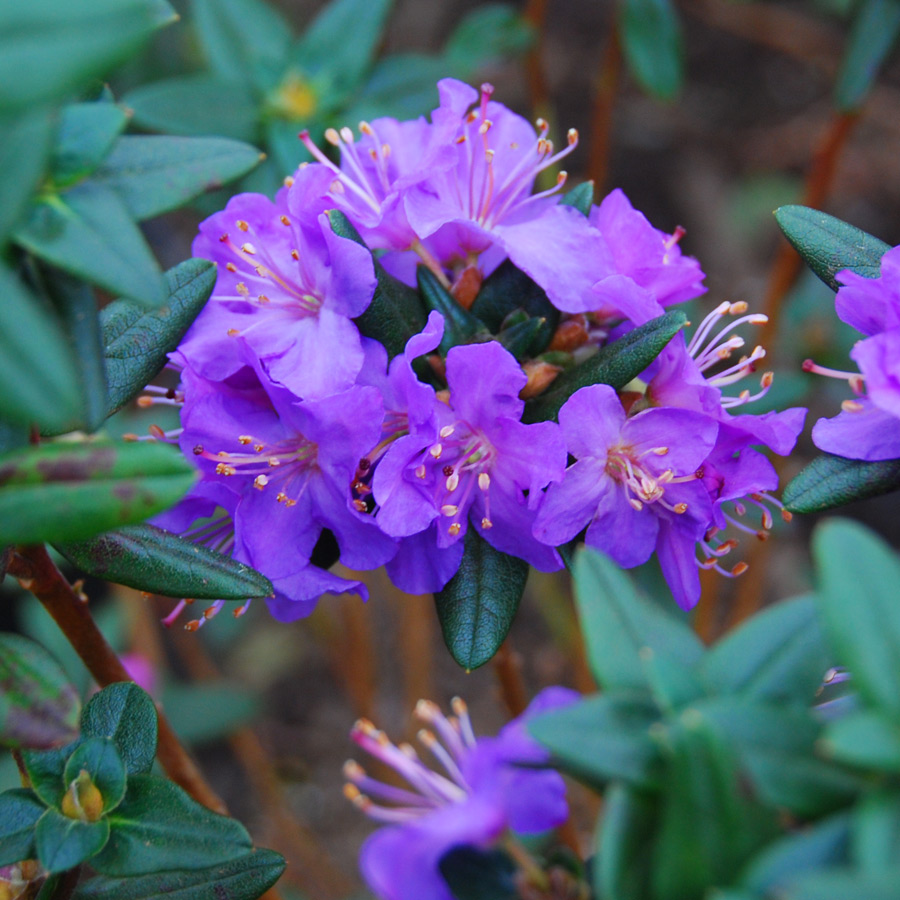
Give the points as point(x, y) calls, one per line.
point(314, 445)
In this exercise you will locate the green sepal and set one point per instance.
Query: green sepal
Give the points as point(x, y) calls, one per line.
point(63, 843)
point(126, 715)
point(39, 708)
point(99, 757)
point(69, 491)
point(460, 325)
point(477, 606)
point(158, 826)
point(829, 245)
point(20, 810)
point(872, 37)
point(616, 364)
point(521, 339)
point(830, 481)
point(581, 197)
point(875, 835)
point(137, 342)
point(86, 134)
point(650, 33)
point(245, 877)
point(150, 559)
point(396, 312)
point(475, 874)
point(866, 739)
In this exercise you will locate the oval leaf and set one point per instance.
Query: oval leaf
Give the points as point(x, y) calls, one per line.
point(20, 810)
point(830, 481)
point(650, 33)
point(126, 715)
point(63, 843)
point(872, 37)
point(86, 134)
point(99, 758)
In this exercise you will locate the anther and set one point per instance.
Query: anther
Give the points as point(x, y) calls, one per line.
point(295, 255)
point(242, 289)
point(452, 482)
point(248, 248)
point(225, 469)
point(739, 569)
point(454, 529)
point(231, 267)
point(285, 220)
point(680, 508)
point(484, 481)
point(449, 510)
point(486, 523)
point(260, 482)
point(242, 225)
point(446, 431)
point(332, 137)
point(436, 451)
point(360, 506)
point(420, 471)
point(347, 135)
point(572, 136)
point(288, 181)
point(245, 439)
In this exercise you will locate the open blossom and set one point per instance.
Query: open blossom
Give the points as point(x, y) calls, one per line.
point(479, 793)
point(868, 426)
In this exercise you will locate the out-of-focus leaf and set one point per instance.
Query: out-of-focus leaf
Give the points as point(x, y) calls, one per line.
point(830, 481)
point(69, 491)
point(63, 843)
point(477, 606)
point(829, 245)
point(86, 134)
point(402, 86)
point(872, 38)
point(89, 232)
point(207, 712)
point(19, 811)
point(650, 33)
point(474, 874)
point(581, 197)
point(876, 831)
point(99, 758)
point(126, 715)
point(38, 706)
point(489, 33)
point(839, 884)
point(137, 342)
point(866, 739)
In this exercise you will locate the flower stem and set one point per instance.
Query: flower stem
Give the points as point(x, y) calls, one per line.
point(38, 573)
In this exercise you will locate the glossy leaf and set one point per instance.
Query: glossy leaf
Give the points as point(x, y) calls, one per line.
point(245, 877)
point(19, 811)
point(86, 134)
point(477, 606)
point(474, 874)
point(581, 197)
point(69, 491)
point(137, 342)
point(89, 232)
point(38, 706)
point(63, 843)
point(866, 739)
point(126, 715)
point(650, 33)
point(154, 175)
point(616, 364)
point(488, 34)
point(856, 574)
point(156, 561)
point(460, 326)
point(99, 758)
point(158, 826)
point(829, 245)
point(38, 371)
point(830, 481)
point(872, 37)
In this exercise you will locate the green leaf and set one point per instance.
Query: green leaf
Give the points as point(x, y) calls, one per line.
point(829, 245)
point(63, 843)
point(460, 326)
point(45, 770)
point(474, 874)
point(38, 706)
point(876, 831)
point(25, 141)
point(126, 715)
point(616, 364)
point(866, 739)
point(872, 37)
point(488, 34)
point(158, 826)
point(841, 884)
point(402, 86)
point(779, 654)
point(581, 197)
point(68, 491)
point(19, 811)
point(830, 481)
point(89, 232)
point(86, 134)
point(154, 175)
point(99, 758)
point(617, 623)
point(603, 738)
point(520, 340)
point(38, 372)
point(156, 561)
point(196, 106)
point(137, 342)
point(856, 574)
point(245, 41)
point(49, 50)
point(650, 32)
point(245, 877)
point(477, 606)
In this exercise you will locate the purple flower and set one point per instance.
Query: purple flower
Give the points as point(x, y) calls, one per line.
point(478, 795)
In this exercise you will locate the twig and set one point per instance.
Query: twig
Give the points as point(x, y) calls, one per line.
point(604, 102)
point(508, 669)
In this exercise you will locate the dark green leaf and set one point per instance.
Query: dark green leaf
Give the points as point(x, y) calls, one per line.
point(474, 874)
point(89, 232)
point(616, 364)
point(69, 491)
point(871, 39)
point(841, 884)
point(153, 175)
point(779, 654)
point(38, 706)
point(86, 135)
point(137, 342)
point(581, 197)
point(520, 339)
point(45, 770)
point(156, 561)
point(856, 574)
point(402, 86)
point(460, 326)
point(245, 877)
point(63, 843)
point(196, 106)
point(158, 826)
point(477, 605)
point(829, 245)
point(125, 714)
point(99, 758)
point(617, 623)
point(650, 33)
point(876, 831)
point(830, 481)
point(603, 738)
point(487, 35)
point(866, 739)
point(19, 811)
point(48, 49)
point(209, 711)
point(38, 373)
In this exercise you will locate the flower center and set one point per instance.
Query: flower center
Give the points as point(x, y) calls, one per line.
point(642, 485)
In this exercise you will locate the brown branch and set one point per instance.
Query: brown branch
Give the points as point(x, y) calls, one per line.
point(534, 14)
point(508, 669)
point(37, 573)
point(604, 103)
